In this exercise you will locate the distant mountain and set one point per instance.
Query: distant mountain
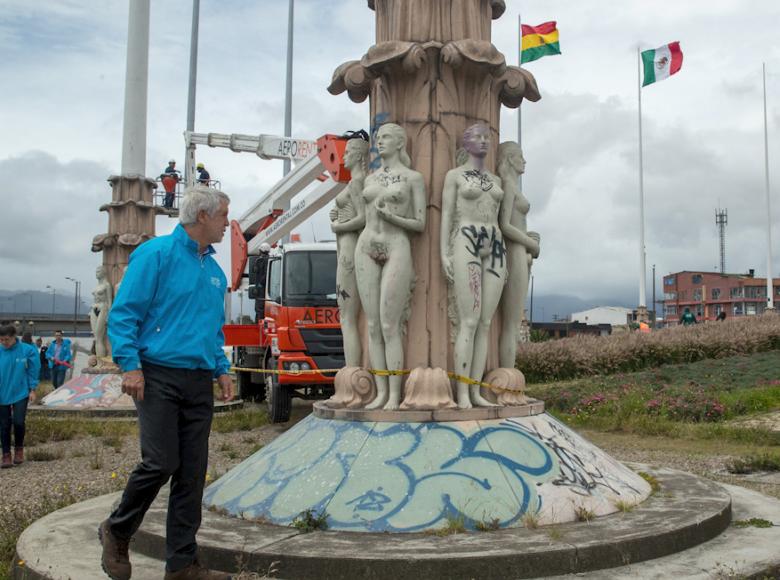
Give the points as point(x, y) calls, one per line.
point(38, 302)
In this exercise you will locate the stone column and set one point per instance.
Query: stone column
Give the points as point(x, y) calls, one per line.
point(131, 215)
point(434, 71)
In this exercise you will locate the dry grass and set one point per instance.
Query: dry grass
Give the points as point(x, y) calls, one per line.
point(588, 355)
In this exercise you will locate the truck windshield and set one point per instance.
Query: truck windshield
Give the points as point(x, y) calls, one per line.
point(310, 278)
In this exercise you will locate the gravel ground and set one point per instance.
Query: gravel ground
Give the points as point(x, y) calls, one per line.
point(89, 466)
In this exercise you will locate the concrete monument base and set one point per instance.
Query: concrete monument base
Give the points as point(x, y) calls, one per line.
point(416, 476)
point(681, 532)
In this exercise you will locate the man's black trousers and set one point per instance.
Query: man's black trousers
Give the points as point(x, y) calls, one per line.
point(174, 420)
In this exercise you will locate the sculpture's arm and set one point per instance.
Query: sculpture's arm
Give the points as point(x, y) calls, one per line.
point(356, 223)
point(447, 205)
point(511, 232)
point(416, 223)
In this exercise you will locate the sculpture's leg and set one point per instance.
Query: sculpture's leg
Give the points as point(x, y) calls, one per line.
point(349, 302)
point(468, 298)
point(493, 281)
point(368, 277)
point(513, 303)
point(396, 288)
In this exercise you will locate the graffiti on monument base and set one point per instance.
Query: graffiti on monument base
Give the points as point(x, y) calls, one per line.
point(89, 391)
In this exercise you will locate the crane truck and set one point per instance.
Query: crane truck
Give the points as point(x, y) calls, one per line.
point(296, 331)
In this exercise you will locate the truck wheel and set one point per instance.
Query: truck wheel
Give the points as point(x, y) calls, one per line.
point(279, 399)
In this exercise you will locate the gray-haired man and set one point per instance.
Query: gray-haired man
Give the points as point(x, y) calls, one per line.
point(165, 328)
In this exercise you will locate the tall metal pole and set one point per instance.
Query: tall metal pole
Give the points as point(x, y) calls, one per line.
point(770, 299)
point(288, 84)
point(189, 164)
point(642, 290)
point(520, 108)
point(136, 90)
point(655, 316)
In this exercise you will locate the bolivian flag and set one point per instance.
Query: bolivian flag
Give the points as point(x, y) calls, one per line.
point(539, 41)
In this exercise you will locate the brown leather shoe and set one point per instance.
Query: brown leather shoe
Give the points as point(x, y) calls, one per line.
point(7, 461)
point(18, 455)
point(115, 559)
point(197, 572)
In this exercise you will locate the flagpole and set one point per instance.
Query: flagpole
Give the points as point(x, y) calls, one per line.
point(642, 299)
point(770, 305)
point(520, 107)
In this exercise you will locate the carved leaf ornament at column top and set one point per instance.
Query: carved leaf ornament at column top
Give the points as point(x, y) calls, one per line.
point(356, 77)
point(497, 6)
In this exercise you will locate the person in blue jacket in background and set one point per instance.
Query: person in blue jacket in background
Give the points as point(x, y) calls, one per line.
point(165, 328)
point(59, 355)
point(20, 368)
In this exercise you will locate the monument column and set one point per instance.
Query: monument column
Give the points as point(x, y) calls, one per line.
point(434, 71)
point(131, 212)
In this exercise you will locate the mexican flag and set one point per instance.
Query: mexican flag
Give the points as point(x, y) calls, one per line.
point(538, 41)
point(661, 63)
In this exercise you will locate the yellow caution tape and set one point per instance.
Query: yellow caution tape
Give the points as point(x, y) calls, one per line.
point(375, 372)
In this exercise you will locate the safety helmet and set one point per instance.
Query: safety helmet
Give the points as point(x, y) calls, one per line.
point(201, 166)
point(171, 161)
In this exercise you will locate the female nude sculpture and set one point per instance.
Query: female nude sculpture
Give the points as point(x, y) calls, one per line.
point(473, 258)
point(98, 314)
point(347, 218)
point(522, 248)
point(394, 197)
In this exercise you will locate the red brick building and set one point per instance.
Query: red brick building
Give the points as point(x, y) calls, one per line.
point(707, 294)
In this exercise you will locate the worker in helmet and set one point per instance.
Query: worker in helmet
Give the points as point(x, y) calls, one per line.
point(203, 175)
point(170, 178)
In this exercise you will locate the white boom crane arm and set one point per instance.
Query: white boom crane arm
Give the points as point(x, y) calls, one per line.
point(296, 215)
point(264, 146)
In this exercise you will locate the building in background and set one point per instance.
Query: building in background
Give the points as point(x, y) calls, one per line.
point(707, 294)
point(612, 315)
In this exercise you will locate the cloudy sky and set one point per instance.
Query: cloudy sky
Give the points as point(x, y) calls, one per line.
point(62, 102)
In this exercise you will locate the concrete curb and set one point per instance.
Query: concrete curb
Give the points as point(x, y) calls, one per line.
point(63, 545)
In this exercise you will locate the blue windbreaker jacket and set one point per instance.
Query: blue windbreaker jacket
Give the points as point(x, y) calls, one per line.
point(20, 367)
point(66, 352)
point(170, 307)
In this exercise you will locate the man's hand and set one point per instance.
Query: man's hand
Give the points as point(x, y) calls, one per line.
point(226, 386)
point(32, 396)
point(133, 384)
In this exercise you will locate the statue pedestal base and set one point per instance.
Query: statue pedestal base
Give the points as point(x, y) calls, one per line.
point(410, 475)
point(96, 388)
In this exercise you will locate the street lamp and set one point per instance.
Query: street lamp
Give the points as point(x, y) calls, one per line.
point(53, 298)
point(75, 304)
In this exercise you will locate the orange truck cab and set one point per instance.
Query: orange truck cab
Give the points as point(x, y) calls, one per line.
point(297, 327)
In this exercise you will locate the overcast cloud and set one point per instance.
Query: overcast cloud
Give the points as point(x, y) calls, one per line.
point(61, 115)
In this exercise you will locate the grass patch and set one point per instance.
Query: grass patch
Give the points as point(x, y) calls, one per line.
point(43, 454)
point(754, 463)
point(488, 525)
point(655, 485)
point(682, 401)
point(309, 521)
point(243, 420)
point(752, 523)
point(43, 429)
point(583, 514)
point(625, 506)
point(530, 521)
point(14, 520)
point(454, 524)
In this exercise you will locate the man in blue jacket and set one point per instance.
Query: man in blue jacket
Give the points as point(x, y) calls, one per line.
point(165, 328)
point(19, 372)
point(59, 354)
